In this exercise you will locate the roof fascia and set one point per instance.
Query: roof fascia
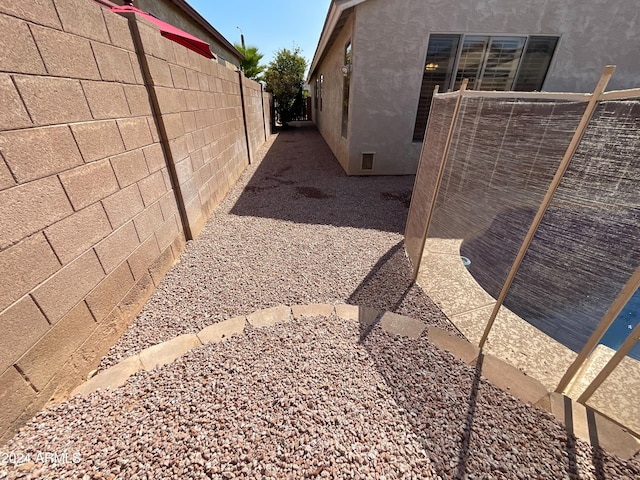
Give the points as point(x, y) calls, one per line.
point(335, 10)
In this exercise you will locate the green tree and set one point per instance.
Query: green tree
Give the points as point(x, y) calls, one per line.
point(284, 77)
point(250, 64)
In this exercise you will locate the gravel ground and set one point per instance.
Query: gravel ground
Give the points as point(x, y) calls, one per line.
point(314, 398)
point(294, 230)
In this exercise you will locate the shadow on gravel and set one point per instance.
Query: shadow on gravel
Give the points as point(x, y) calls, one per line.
point(300, 180)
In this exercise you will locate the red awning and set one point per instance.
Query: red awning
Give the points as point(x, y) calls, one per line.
point(172, 33)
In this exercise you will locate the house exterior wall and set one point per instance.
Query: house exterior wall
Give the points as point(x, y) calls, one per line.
point(390, 43)
point(90, 165)
point(329, 119)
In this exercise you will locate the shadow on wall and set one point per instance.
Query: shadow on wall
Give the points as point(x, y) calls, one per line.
point(299, 180)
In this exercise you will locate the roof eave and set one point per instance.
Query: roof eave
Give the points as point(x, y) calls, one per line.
point(333, 14)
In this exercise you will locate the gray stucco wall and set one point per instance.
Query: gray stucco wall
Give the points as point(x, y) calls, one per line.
point(390, 43)
point(329, 120)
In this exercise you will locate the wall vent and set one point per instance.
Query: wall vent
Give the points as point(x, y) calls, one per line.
point(367, 161)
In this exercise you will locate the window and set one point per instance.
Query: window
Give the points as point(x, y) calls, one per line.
point(315, 94)
point(321, 82)
point(501, 62)
point(346, 70)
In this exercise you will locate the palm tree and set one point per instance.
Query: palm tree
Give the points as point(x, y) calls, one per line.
point(250, 65)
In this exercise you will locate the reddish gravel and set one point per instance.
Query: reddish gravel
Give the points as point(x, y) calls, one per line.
point(314, 398)
point(294, 230)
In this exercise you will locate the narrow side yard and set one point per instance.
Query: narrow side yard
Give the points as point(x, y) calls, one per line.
point(294, 230)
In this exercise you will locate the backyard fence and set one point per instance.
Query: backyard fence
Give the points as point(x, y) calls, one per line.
point(116, 144)
point(524, 227)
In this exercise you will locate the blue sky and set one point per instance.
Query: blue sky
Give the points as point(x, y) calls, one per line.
point(269, 25)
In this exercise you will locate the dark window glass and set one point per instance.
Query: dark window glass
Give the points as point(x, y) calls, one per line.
point(535, 63)
point(345, 88)
point(438, 69)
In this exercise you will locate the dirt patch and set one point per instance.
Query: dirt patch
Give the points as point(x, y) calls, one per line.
point(312, 192)
point(403, 197)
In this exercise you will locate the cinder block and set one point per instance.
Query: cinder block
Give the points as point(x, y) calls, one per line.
point(114, 63)
point(167, 232)
point(25, 209)
point(135, 132)
point(511, 380)
point(12, 114)
point(191, 98)
point(119, 31)
point(106, 99)
point(77, 233)
point(150, 37)
point(138, 100)
point(38, 152)
point(111, 378)
point(270, 316)
point(179, 148)
point(98, 140)
point(184, 171)
point(23, 324)
point(89, 183)
point(219, 331)
point(19, 51)
point(36, 11)
point(168, 205)
point(106, 296)
point(180, 55)
point(24, 265)
point(130, 167)
point(15, 396)
point(173, 125)
point(152, 187)
point(148, 221)
point(458, 347)
point(64, 54)
point(66, 288)
point(312, 310)
point(160, 73)
point(154, 129)
point(52, 100)
point(47, 357)
point(161, 266)
point(117, 247)
point(189, 121)
point(123, 205)
point(143, 256)
point(197, 160)
point(135, 299)
point(137, 68)
point(167, 352)
point(83, 18)
point(179, 77)
point(155, 157)
point(192, 79)
point(177, 246)
point(400, 325)
point(6, 178)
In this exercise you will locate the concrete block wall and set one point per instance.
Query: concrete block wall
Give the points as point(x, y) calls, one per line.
point(89, 218)
point(201, 108)
point(253, 111)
